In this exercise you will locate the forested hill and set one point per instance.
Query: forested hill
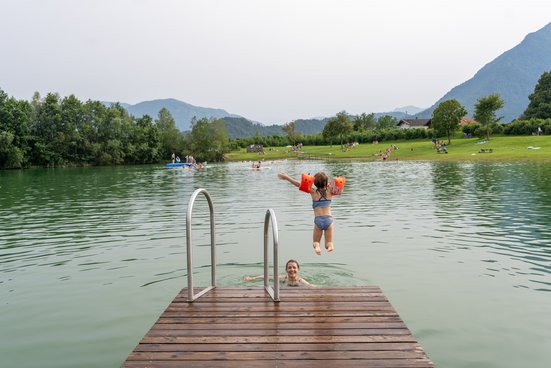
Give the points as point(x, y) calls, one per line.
point(513, 75)
point(241, 127)
point(182, 112)
point(237, 126)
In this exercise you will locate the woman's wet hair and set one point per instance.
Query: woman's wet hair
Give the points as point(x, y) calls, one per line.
point(292, 261)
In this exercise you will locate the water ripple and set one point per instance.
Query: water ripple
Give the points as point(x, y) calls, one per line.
point(115, 238)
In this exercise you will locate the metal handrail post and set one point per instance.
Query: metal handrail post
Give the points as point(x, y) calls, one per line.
point(274, 292)
point(190, 294)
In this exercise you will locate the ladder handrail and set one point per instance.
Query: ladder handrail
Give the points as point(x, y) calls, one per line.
point(274, 292)
point(191, 297)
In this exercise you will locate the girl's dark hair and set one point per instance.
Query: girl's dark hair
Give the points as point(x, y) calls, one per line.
point(292, 261)
point(320, 181)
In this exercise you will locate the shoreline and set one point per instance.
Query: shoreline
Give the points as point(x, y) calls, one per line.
point(498, 149)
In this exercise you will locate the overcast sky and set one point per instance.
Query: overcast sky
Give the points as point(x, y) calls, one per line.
point(269, 61)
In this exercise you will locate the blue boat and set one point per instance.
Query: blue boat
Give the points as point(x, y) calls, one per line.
point(177, 164)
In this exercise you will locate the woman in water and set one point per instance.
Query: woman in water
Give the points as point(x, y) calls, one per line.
point(292, 268)
point(321, 203)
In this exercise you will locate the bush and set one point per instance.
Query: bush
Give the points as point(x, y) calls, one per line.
point(527, 127)
point(482, 131)
point(496, 128)
point(470, 129)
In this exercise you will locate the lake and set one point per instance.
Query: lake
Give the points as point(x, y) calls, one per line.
point(90, 257)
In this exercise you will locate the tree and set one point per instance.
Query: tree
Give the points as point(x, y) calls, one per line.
point(146, 141)
point(10, 155)
point(447, 116)
point(72, 114)
point(485, 112)
point(48, 132)
point(386, 121)
point(208, 139)
point(171, 137)
point(290, 129)
point(117, 125)
point(364, 122)
point(339, 126)
point(15, 117)
point(540, 100)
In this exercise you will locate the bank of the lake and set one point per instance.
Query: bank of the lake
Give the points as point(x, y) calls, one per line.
point(498, 149)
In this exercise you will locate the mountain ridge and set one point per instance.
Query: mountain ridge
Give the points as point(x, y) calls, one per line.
point(513, 75)
point(181, 111)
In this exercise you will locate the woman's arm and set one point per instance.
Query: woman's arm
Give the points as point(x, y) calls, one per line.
point(284, 176)
point(253, 278)
point(302, 281)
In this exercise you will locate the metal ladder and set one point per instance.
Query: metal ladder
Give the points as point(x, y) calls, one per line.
point(270, 217)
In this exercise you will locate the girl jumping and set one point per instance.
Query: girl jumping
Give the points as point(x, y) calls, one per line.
point(321, 203)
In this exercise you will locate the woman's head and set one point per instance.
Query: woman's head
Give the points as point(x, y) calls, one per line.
point(292, 264)
point(320, 180)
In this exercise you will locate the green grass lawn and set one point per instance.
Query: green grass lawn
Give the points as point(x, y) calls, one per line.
point(505, 149)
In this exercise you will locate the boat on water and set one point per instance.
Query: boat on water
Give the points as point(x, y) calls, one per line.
point(177, 164)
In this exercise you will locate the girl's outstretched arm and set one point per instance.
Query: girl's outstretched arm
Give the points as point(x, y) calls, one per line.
point(284, 176)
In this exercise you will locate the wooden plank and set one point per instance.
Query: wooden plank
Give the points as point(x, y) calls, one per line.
point(352, 363)
point(279, 326)
point(379, 346)
point(273, 339)
point(276, 319)
point(243, 327)
point(275, 355)
point(253, 314)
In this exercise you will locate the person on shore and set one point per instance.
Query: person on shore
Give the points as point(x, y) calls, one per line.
point(292, 277)
point(321, 203)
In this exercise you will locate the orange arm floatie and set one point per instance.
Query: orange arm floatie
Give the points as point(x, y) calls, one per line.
point(338, 185)
point(306, 182)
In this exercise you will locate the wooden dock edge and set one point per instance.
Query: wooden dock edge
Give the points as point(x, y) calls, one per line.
point(310, 327)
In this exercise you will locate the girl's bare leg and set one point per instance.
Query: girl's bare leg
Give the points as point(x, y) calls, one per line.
point(329, 238)
point(317, 238)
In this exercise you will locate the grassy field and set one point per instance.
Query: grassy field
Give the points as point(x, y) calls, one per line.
point(504, 149)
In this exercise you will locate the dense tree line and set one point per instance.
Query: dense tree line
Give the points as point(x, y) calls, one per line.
point(340, 129)
point(56, 132)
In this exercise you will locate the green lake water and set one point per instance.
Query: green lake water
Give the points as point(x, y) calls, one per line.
point(90, 257)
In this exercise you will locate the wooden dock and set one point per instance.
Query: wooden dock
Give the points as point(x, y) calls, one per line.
point(243, 327)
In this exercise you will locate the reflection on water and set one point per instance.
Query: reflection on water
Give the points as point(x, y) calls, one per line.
point(102, 250)
point(504, 208)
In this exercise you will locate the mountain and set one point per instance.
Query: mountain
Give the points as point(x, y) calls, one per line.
point(513, 75)
point(409, 110)
point(241, 127)
point(182, 112)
